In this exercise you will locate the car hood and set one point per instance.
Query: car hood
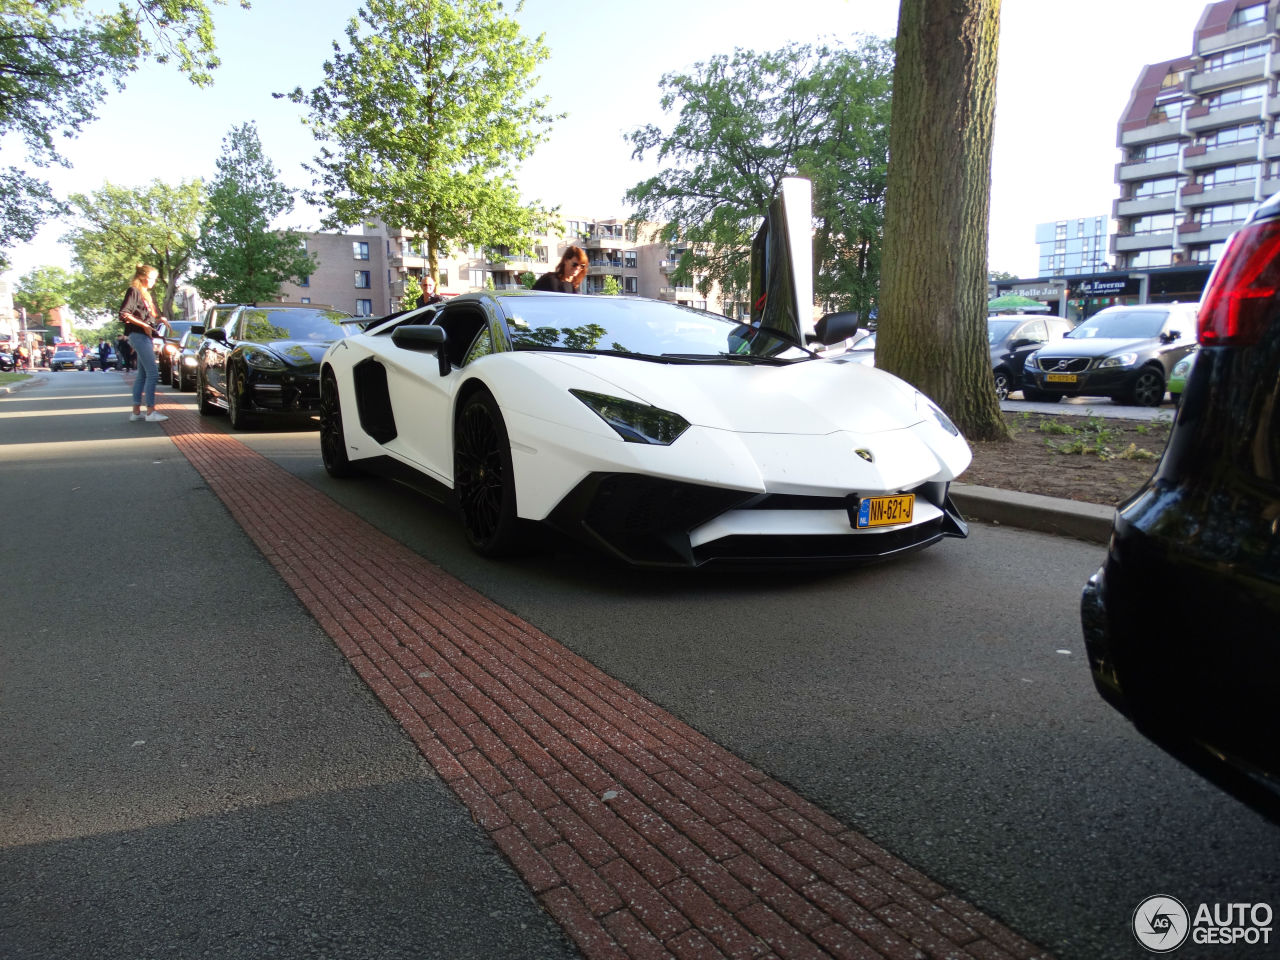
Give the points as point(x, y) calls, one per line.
point(808, 397)
point(302, 354)
point(1095, 346)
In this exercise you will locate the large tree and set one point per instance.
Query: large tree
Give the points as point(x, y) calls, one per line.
point(933, 296)
point(58, 60)
point(422, 120)
point(243, 258)
point(747, 120)
point(43, 289)
point(117, 228)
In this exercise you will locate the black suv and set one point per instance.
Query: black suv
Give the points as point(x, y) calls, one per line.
point(1182, 623)
point(264, 360)
point(1011, 337)
point(1125, 353)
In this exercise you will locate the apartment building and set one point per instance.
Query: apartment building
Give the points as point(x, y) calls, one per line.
point(365, 274)
point(1200, 145)
point(1076, 246)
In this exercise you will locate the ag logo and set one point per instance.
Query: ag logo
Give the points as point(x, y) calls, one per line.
point(1161, 924)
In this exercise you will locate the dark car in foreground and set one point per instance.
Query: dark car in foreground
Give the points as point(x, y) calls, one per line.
point(66, 358)
point(1125, 353)
point(1011, 338)
point(264, 361)
point(1182, 622)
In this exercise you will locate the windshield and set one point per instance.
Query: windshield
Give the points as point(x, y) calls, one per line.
point(647, 328)
point(1122, 325)
point(264, 324)
point(866, 343)
point(997, 330)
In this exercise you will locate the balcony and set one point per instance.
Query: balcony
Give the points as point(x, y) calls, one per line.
point(676, 293)
point(1203, 118)
point(1143, 241)
point(1228, 193)
point(1218, 156)
point(668, 266)
point(1147, 133)
point(1147, 169)
point(1136, 208)
point(1233, 76)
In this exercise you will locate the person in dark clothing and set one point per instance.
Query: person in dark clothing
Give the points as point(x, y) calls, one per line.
point(103, 352)
point(428, 295)
point(568, 275)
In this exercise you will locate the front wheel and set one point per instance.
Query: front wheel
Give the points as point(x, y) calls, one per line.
point(1004, 385)
point(1148, 388)
point(236, 412)
point(333, 441)
point(483, 478)
point(202, 394)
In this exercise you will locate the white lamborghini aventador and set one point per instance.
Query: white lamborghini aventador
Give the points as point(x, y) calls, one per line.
point(662, 435)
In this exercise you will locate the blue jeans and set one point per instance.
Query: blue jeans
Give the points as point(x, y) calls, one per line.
point(148, 372)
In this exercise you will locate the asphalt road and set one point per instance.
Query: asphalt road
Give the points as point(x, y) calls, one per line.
point(940, 703)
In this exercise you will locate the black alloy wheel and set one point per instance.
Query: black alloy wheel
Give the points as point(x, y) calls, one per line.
point(202, 393)
point(483, 479)
point(235, 399)
point(1148, 388)
point(333, 441)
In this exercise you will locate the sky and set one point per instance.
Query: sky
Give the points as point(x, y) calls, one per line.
point(1065, 74)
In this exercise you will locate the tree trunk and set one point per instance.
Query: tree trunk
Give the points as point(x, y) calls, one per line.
point(933, 293)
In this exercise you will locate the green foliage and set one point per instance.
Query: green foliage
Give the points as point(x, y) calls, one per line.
point(59, 60)
point(611, 287)
point(43, 289)
point(243, 259)
point(412, 291)
point(118, 228)
point(528, 279)
point(422, 119)
point(997, 275)
point(749, 119)
point(1093, 437)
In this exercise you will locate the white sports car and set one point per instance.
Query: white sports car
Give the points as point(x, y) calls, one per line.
point(663, 435)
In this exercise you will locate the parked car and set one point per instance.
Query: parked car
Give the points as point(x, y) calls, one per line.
point(188, 357)
point(1182, 622)
point(264, 361)
point(66, 357)
point(1178, 378)
point(171, 332)
point(1125, 353)
point(1011, 338)
point(660, 435)
point(6, 360)
point(94, 360)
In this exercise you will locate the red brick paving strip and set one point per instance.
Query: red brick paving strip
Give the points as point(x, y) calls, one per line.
point(639, 835)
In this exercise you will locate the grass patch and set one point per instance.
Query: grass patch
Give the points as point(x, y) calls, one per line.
point(8, 378)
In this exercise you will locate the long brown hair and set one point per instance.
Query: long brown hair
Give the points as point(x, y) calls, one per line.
point(572, 253)
point(139, 283)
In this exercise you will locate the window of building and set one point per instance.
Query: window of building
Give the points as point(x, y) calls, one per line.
point(362, 279)
point(1155, 223)
point(1236, 173)
point(1154, 151)
point(1237, 96)
point(630, 259)
point(1149, 189)
point(630, 285)
point(304, 281)
point(475, 278)
point(364, 308)
point(541, 254)
point(1167, 111)
point(305, 300)
point(360, 250)
point(1233, 58)
point(444, 279)
point(1223, 213)
point(1229, 136)
point(1060, 230)
point(1210, 253)
point(1248, 16)
point(1151, 258)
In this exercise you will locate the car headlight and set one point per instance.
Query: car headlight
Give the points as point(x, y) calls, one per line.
point(1030, 362)
point(188, 361)
point(1182, 368)
point(1120, 360)
point(263, 360)
point(943, 420)
point(635, 422)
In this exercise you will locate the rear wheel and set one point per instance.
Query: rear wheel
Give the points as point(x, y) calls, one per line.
point(333, 441)
point(1148, 388)
point(483, 478)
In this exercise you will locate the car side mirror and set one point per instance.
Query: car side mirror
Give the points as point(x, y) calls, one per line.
point(198, 329)
point(1023, 342)
point(835, 327)
point(1170, 336)
point(217, 334)
point(423, 339)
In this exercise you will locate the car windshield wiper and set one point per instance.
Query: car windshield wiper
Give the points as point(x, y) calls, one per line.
point(652, 358)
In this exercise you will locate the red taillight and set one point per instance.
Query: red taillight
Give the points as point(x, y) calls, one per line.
point(1240, 298)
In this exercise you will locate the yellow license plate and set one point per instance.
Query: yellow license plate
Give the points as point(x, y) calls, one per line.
point(885, 511)
point(1060, 378)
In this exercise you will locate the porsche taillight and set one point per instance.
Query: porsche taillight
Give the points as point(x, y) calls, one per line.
point(1241, 297)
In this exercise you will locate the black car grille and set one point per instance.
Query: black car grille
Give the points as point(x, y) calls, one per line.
point(1063, 364)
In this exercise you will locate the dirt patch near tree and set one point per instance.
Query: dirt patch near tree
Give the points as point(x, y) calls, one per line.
point(1091, 459)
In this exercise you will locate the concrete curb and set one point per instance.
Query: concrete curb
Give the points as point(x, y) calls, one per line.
point(1031, 511)
point(22, 384)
